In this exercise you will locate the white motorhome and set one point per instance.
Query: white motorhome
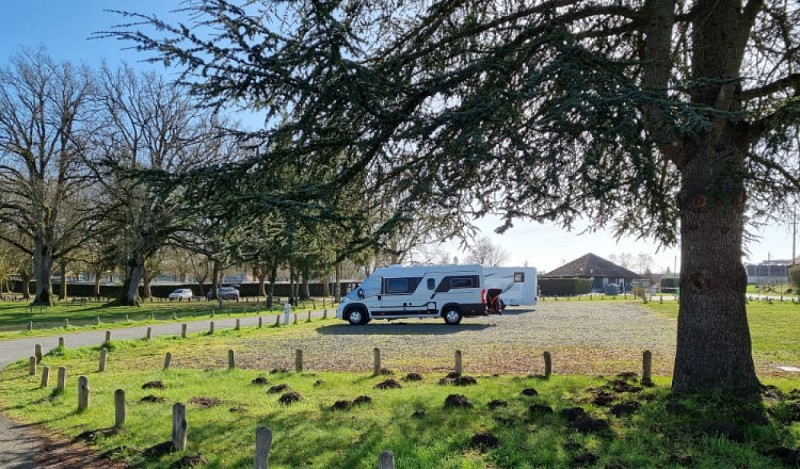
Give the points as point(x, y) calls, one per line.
point(518, 285)
point(420, 291)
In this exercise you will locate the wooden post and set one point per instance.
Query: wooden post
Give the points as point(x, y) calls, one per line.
point(211, 328)
point(167, 360)
point(278, 320)
point(108, 337)
point(62, 379)
point(458, 368)
point(179, 427)
point(98, 319)
point(60, 342)
point(309, 316)
point(32, 366)
point(149, 333)
point(263, 443)
point(386, 460)
point(260, 322)
point(376, 366)
point(103, 358)
point(119, 408)
point(298, 361)
point(548, 364)
point(45, 377)
point(325, 314)
point(231, 359)
point(37, 352)
point(66, 323)
point(647, 367)
point(174, 316)
point(183, 330)
point(238, 325)
point(30, 325)
point(83, 393)
point(126, 318)
point(295, 318)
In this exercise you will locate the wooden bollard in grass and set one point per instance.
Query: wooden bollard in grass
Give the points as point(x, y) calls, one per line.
point(298, 361)
point(30, 325)
point(120, 409)
point(60, 342)
point(183, 330)
point(167, 360)
point(647, 368)
point(263, 443)
point(386, 460)
point(295, 318)
point(260, 322)
point(45, 377)
point(278, 320)
point(211, 328)
point(231, 360)
point(126, 318)
point(548, 364)
point(238, 325)
point(108, 337)
point(325, 314)
point(37, 352)
point(61, 386)
point(83, 393)
point(98, 320)
point(103, 358)
point(66, 323)
point(458, 368)
point(309, 316)
point(32, 366)
point(149, 333)
point(376, 366)
point(179, 427)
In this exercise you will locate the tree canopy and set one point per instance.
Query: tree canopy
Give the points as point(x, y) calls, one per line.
point(673, 120)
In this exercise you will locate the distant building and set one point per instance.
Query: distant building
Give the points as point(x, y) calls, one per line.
point(601, 271)
point(769, 272)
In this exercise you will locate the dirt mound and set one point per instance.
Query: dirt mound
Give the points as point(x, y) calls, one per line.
point(289, 398)
point(626, 408)
point(388, 384)
point(152, 398)
point(484, 441)
point(588, 424)
point(413, 377)
point(495, 403)
point(341, 405)
point(530, 392)
point(362, 400)
point(205, 402)
point(278, 388)
point(456, 400)
point(190, 460)
point(261, 380)
point(572, 413)
point(154, 385)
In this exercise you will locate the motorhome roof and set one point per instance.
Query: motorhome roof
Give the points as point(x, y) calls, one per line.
point(422, 269)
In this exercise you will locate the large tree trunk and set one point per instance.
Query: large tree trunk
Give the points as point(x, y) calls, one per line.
point(25, 286)
point(146, 279)
point(97, 284)
point(305, 290)
point(714, 349)
point(43, 267)
point(134, 272)
point(338, 283)
point(273, 274)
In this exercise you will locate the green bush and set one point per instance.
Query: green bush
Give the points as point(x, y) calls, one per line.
point(794, 276)
point(564, 286)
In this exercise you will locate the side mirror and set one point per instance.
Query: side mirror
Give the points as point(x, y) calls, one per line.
point(360, 293)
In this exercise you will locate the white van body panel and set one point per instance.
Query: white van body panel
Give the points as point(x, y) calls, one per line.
point(418, 291)
point(518, 284)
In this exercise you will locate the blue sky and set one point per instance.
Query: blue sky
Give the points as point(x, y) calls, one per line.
point(64, 28)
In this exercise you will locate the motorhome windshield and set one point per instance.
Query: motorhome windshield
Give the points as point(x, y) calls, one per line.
point(370, 286)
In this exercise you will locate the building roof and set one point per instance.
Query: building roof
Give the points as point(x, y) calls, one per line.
point(592, 265)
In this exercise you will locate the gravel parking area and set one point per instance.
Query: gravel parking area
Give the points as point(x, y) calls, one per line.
point(598, 337)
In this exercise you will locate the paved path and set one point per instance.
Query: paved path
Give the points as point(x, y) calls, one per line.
point(22, 447)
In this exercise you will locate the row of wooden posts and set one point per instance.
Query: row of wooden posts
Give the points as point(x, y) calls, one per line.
point(287, 308)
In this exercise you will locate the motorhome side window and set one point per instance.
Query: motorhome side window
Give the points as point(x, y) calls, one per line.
point(461, 282)
point(396, 285)
point(519, 277)
point(431, 284)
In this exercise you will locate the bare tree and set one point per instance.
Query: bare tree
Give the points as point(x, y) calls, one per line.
point(44, 127)
point(153, 125)
point(486, 253)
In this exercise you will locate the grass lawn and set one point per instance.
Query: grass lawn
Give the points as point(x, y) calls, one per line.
point(16, 316)
point(774, 330)
point(625, 425)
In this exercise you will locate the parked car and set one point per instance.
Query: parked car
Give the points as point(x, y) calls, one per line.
point(226, 293)
point(181, 294)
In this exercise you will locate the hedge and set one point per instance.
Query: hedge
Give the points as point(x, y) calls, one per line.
point(564, 286)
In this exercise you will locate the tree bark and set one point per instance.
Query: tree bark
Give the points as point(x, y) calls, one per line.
point(63, 270)
point(714, 347)
point(305, 290)
point(134, 272)
point(273, 274)
point(43, 267)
